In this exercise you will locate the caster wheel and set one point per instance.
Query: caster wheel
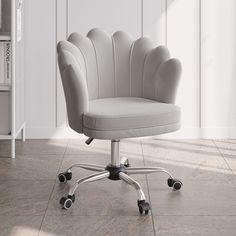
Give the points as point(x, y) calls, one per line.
point(143, 207)
point(175, 183)
point(170, 182)
point(126, 164)
point(65, 176)
point(67, 202)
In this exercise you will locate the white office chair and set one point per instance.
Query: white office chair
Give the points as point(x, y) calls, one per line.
point(117, 88)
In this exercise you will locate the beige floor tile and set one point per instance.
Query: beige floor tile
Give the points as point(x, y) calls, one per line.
point(104, 197)
point(227, 146)
point(56, 146)
point(228, 150)
point(195, 225)
point(30, 167)
point(97, 226)
point(197, 197)
point(24, 197)
point(198, 159)
point(5, 148)
point(191, 167)
point(163, 147)
point(34, 146)
point(20, 225)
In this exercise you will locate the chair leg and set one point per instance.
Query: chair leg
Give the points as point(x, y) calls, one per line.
point(127, 179)
point(90, 178)
point(175, 183)
point(88, 166)
point(143, 206)
point(66, 202)
point(67, 175)
point(146, 170)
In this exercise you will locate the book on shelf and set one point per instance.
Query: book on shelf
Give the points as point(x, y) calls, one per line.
point(5, 63)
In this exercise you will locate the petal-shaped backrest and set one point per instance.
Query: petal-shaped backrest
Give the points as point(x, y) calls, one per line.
point(86, 48)
point(140, 49)
point(116, 66)
point(152, 62)
point(103, 47)
point(122, 43)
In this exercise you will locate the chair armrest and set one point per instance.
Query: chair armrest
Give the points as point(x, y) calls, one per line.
point(76, 94)
point(167, 80)
point(73, 74)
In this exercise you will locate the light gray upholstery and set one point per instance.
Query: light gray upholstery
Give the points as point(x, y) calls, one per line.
point(118, 88)
point(128, 113)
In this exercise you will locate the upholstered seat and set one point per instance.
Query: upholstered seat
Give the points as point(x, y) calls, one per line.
point(126, 117)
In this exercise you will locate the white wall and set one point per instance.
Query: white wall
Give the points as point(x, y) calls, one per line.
point(40, 65)
point(206, 97)
point(183, 43)
point(219, 67)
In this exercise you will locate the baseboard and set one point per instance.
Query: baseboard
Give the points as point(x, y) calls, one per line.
point(202, 133)
point(183, 133)
point(52, 133)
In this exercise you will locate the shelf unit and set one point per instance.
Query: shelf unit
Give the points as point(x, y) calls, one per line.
point(12, 119)
point(5, 36)
point(4, 88)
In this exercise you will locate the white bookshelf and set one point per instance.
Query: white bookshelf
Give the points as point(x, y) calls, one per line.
point(4, 88)
point(12, 119)
point(5, 36)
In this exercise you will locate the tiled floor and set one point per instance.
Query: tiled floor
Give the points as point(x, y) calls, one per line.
point(206, 205)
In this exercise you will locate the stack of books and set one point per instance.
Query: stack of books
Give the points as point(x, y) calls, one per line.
point(5, 63)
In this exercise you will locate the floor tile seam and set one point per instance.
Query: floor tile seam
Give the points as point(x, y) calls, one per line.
point(149, 196)
point(33, 180)
point(59, 167)
point(22, 215)
point(35, 198)
point(192, 215)
point(37, 152)
point(97, 215)
point(194, 145)
point(30, 180)
point(223, 157)
point(126, 215)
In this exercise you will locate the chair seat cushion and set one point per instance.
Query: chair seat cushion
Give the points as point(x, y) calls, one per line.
point(129, 113)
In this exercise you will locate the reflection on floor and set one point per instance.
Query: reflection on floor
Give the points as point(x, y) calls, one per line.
point(206, 205)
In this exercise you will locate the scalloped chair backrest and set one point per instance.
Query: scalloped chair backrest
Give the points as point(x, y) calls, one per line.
point(114, 66)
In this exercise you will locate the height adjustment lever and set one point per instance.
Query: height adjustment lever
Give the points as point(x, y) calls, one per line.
point(89, 140)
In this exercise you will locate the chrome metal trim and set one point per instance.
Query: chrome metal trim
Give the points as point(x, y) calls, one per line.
point(87, 166)
point(127, 179)
point(90, 178)
point(115, 152)
point(146, 170)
